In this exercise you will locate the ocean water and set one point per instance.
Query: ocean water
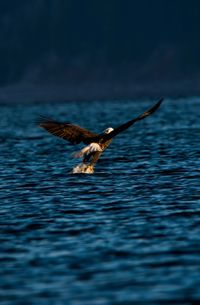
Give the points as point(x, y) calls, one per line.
point(127, 234)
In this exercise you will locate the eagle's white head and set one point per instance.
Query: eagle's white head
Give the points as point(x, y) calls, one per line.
point(108, 130)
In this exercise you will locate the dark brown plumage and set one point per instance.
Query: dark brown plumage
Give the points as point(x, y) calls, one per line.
point(70, 132)
point(76, 134)
point(123, 127)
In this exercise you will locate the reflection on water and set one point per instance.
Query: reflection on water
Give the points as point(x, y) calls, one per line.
point(128, 234)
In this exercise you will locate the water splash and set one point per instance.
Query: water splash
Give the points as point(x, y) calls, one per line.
point(83, 169)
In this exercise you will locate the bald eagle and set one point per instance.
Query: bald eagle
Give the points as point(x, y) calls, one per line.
point(95, 143)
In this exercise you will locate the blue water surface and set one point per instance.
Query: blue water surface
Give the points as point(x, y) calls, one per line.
point(128, 234)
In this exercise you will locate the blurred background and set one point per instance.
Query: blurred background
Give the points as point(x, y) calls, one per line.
point(130, 233)
point(70, 49)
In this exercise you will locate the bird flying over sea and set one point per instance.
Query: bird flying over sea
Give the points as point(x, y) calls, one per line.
point(95, 143)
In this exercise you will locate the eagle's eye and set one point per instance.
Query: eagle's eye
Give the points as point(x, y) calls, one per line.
point(108, 130)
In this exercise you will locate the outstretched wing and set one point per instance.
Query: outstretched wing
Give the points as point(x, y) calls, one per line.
point(70, 132)
point(123, 127)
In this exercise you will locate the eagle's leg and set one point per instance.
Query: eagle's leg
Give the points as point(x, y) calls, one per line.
point(95, 158)
point(92, 158)
point(87, 157)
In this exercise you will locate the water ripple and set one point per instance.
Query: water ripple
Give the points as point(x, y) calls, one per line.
point(128, 234)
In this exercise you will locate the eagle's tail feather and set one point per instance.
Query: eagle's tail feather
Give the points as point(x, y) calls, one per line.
point(87, 150)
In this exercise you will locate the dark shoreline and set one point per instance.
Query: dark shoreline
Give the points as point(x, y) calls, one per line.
point(88, 91)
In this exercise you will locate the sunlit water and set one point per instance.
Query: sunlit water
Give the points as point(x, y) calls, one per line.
point(128, 234)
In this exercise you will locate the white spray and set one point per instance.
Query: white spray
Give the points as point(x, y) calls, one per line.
point(82, 167)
